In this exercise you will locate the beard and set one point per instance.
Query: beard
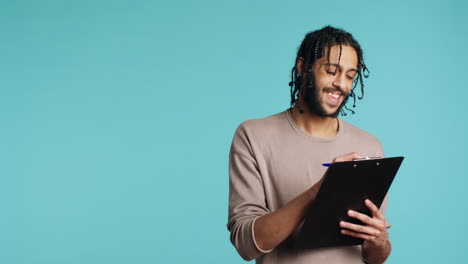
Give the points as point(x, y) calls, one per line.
point(310, 98)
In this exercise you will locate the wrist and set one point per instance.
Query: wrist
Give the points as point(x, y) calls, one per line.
point(312, 192)
point(377, 244)
point(375, 253)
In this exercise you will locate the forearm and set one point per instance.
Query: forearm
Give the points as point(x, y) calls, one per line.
point(272, 229)
point(375, 255)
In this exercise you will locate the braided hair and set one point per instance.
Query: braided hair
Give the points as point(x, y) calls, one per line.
point(313, 47)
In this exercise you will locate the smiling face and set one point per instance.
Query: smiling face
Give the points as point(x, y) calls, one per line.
point(332, 80)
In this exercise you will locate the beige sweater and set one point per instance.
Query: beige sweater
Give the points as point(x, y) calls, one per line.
point(271, 162)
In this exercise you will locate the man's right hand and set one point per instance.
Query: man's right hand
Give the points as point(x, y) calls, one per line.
point(348, 157)
point(272, 229)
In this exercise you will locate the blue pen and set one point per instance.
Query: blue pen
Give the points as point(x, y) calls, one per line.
point(326, 164)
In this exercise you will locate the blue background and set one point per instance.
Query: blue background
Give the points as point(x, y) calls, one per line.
point(117, 117)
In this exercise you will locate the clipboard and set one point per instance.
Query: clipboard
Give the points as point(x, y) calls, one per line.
point(345, 186)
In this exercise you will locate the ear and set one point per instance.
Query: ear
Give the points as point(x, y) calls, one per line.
point(299, 64)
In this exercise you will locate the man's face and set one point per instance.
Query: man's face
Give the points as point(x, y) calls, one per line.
point(332, 81)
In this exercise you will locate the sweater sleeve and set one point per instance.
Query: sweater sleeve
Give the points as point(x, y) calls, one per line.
point(246, 196)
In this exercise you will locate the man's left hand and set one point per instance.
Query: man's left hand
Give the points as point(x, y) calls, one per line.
point(373, 232)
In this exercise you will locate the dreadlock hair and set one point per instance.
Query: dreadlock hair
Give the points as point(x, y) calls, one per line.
point(313, 47)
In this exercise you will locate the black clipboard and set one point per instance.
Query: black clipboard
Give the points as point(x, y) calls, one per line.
point(346, 185)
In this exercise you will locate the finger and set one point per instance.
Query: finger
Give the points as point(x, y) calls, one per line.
point(377, 223)
point(348, 157)
point(362, 217)
point(355, 234)
point(367, 230)
point(374, 210)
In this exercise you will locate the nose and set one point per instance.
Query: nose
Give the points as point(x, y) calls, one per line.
point(340, 81)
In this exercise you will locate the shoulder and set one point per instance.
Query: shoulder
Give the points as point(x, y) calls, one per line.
point(257, 132)
point(353, 133)
point(350, 129)
point(263, 125)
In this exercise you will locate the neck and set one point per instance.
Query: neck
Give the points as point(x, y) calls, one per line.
point(314, 125)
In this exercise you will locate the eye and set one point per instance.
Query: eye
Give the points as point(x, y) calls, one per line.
point(331, 69)
point(351, 75)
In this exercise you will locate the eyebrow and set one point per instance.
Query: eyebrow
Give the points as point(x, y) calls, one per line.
point(339, 66)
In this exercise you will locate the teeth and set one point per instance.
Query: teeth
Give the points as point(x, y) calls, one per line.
point(334, 95)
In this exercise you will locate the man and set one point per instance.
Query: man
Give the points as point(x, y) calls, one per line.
point(276, 162)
